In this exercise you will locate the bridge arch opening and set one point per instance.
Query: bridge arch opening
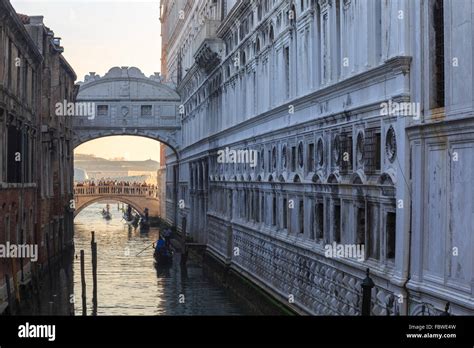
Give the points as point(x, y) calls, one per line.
point(104, 200)
point(126, 169)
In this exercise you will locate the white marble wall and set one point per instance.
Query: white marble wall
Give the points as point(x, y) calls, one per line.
point(346, 58)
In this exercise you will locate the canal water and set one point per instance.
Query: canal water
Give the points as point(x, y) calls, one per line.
point(130, 282)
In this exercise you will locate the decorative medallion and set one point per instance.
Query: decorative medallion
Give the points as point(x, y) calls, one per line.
point(125, 111)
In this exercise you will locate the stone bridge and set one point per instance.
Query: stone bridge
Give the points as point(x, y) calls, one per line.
point(139, 198)
point(126, 102)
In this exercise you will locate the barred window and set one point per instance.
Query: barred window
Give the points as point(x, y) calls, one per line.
point(311, 157)
point(102, 110)
point(146, 110)
point(372, 153)
point(346, 160)
point(390, 231)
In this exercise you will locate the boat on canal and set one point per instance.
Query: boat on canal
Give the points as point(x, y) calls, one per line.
point(106, 213)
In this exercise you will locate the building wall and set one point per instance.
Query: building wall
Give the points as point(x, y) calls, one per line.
point(304, 84)
point(31, 206)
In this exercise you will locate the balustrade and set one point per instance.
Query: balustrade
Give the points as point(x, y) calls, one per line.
point(120, 190)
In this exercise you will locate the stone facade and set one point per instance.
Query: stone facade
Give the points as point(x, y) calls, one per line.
point(129, 103)
point(323, 92)
point(126, 102)
point(35, 146)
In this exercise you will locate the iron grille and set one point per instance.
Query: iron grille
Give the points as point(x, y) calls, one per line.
point(372, 151)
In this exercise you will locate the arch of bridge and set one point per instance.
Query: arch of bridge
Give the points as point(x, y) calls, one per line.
point(130, 104)
point(138, 203)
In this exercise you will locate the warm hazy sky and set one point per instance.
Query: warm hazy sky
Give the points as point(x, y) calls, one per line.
point(99, 34)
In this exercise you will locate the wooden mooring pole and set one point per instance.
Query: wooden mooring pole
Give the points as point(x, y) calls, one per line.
point(83, 283)
point(94, 273)
point(184, 248)
point(9, 294)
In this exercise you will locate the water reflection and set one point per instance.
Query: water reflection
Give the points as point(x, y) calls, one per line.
point(129, 280)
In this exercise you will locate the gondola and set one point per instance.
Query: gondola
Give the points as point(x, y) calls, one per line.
point(106, 215)
point(144, 225)
point(133, 221)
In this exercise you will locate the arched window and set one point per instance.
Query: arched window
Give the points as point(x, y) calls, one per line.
point(274, 157)
point(243, 58)
point(300, 154)
point(257, 46)
point(292, 15)
point(284, 157)
point(271, 35)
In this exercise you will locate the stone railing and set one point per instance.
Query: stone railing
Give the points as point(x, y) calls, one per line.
point(114, 190)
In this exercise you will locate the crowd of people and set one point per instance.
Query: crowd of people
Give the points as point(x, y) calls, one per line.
point(105, 182)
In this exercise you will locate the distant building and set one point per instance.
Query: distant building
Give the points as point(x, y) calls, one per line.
point(99, 168)
point(80, 175)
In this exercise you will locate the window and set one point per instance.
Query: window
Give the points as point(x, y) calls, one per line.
point(18, 75)
point(301, 216)
point(274, 158)
point(310, 157)
point(292, 16)
point(390, 231)
point(285, 213)
point(284, 157)
point(320, 157)
point(10, 63)
point(14, 154)
point(274, 212)
point(360, 226)
point(243, 58)
point(373, 232)
point(102, 110)
point(372, 152)
point(346, 161)
point(378, 155)
point(146, 110)
point(300, 155)
point(337, 223)
point(293, 158)
point(269, 158)
point(319, 214)
point(286, 53)
point(378, 31)
point(438, 80)
point(271, 35)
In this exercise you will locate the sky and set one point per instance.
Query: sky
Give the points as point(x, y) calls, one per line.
point(98, 35)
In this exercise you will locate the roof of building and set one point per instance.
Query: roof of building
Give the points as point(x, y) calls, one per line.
point(25, 19)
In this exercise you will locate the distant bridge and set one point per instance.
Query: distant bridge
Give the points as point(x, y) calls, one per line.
point(137, 197)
